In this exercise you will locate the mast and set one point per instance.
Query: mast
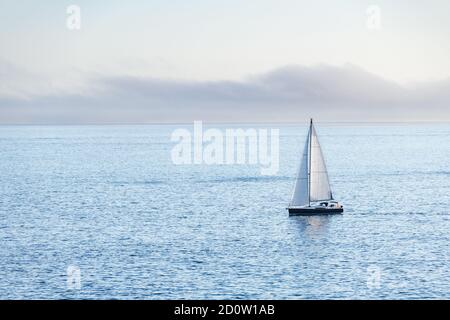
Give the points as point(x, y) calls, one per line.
point(309, 163)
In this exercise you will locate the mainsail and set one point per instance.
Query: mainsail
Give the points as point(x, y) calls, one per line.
point(319, 183)
point(312, 183)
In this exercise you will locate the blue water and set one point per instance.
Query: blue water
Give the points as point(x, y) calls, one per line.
point(109, 201)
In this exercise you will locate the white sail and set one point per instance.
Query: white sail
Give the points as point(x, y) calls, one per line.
point(319, 184)
point(300, 196)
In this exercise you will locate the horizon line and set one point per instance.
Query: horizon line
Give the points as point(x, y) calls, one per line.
point(306, 122)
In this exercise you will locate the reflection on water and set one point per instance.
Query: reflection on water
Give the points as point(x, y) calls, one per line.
point(312, 226)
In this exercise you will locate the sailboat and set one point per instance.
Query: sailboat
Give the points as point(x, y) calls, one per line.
point(312, 192)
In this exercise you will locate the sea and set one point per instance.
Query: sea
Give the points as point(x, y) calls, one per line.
point(103, 212)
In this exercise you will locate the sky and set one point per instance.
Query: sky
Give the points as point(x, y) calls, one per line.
point(234, 60)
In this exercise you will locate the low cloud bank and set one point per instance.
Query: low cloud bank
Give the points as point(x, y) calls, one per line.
point(292, 93)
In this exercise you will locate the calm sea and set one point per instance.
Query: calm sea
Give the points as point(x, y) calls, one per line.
point(107, 203)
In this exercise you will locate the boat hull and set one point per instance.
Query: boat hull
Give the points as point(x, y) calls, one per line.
point(314, 211)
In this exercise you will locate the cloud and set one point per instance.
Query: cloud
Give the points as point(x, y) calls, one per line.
point(291, 93)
